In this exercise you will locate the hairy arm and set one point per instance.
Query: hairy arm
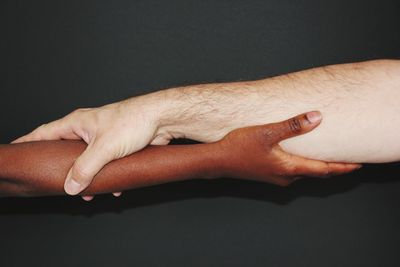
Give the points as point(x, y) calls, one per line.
point(38, 168)
point(359, 103)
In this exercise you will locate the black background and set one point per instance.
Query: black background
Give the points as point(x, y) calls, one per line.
point(60, 55)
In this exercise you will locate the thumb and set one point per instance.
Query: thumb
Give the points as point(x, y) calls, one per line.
point(86, 166)
point(298, 125)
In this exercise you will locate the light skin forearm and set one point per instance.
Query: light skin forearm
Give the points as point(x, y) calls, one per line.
point(353, 97)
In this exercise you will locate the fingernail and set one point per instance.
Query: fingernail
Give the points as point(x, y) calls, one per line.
point(72, 187)
point(313, 116)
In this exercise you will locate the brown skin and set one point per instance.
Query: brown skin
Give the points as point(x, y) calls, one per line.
point(39, 168)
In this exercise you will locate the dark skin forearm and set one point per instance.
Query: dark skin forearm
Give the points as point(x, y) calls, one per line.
point(39, 168)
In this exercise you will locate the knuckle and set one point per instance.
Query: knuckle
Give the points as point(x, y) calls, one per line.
point(42, 126)
point(291, 169)
point(268, 134)
point(106, 149)
point(80, 110)
point(77, 111)
point(106, 146)
point(80, 173)
point(294, 125)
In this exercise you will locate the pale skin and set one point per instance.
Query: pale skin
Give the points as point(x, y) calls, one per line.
point(360, 99)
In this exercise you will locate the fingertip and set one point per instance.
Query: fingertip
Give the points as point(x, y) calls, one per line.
point(304, 123)
point(87, 198)
point(298, 125)
point(84, 169)
point(72, 187)
point(117, 194)
point(354, 166)
point(344, 168)
point(357, 165)
point(313, 117)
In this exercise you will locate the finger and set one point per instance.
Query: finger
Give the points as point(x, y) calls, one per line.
point(316, 168)
point(298, 125)
point(59, 129)
point(86, 166)
point(87, 198)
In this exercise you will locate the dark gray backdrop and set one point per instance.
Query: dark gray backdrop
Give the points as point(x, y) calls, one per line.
point(60, 55)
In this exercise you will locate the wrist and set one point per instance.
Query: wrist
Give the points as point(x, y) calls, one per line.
point(153, 108)
point(174, 114)
point(171, 113)
point(213, 161)
point(206, 112)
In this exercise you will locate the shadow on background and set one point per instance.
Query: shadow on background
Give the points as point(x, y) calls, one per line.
point(319, 188)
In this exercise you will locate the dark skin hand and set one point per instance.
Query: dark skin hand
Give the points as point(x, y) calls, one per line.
point(39, 168)
point(255, 154)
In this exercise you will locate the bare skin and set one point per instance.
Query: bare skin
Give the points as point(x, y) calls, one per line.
point(38, 168)
point(352, 97)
